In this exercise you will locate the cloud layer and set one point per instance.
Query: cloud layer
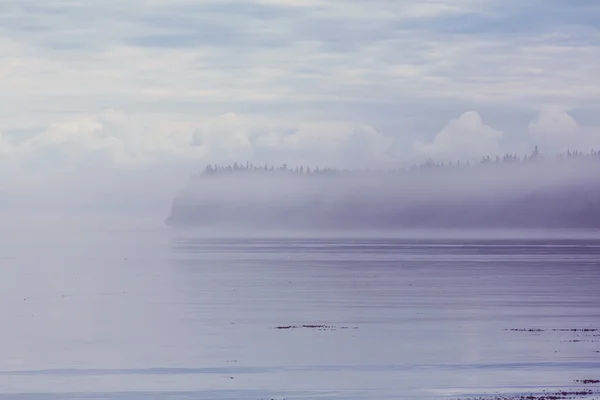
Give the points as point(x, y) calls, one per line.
point(114, 139)
point(276, 57)
point(144, 85)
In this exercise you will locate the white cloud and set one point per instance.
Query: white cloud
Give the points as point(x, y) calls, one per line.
point(554, 123)
point(465, 138)
point(555, 131)
point(332, 144)
point(115, 139)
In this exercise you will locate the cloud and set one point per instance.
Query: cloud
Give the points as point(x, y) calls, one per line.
point(465, 138)
point(342, 82)
point(117, 140)
point(554, 123)
point(341, 145)
point(114, 139)
point(556, 130)
point(7, 154)
point(208, 57)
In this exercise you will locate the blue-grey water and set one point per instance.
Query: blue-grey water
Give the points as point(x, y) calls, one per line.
point(150, 313)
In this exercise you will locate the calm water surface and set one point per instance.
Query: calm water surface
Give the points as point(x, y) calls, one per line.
point(155, 314)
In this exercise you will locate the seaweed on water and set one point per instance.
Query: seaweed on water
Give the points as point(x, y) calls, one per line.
point(560, 395)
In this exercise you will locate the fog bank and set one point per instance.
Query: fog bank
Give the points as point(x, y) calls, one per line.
point(558, 193)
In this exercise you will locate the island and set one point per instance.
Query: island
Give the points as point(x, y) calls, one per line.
point(502, 192)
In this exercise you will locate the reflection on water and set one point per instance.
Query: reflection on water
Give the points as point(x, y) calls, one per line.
point(153, 314)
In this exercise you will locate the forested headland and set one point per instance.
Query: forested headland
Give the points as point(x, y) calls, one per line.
point(508, 191)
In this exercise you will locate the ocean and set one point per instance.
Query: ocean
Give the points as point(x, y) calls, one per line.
point(138, 312)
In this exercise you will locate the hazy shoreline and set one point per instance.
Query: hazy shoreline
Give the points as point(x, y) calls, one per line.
point(539, 194)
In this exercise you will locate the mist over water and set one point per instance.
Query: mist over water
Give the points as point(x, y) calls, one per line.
point(539, 194)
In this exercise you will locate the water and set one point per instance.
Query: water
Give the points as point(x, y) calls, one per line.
point(99, 313)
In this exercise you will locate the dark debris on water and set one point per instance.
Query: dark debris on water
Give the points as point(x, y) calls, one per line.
point(561, 395)
point(554, 330)
point(318, 327)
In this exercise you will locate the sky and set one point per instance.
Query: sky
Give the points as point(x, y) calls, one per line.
point(129, 94)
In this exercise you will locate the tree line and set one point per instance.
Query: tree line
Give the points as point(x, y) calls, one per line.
point(508, 158)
